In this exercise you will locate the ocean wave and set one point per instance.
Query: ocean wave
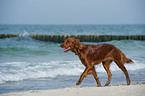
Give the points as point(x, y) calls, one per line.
point(17, 71)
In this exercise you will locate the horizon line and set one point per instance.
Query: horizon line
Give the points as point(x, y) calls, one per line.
point(69, 24)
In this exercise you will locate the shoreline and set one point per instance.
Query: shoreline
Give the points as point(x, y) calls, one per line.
point(135, 89)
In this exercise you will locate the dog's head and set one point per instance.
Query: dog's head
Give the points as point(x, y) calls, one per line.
point(72, 44)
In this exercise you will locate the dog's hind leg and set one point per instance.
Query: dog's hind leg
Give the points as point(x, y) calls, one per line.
point(122, 67)
point(106, 65)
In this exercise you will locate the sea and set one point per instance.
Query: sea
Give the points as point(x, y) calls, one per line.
point(28, 64)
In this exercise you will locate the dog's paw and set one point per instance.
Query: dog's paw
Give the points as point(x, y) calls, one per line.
point(99, 85)
point(78, 83)
point(107, 83)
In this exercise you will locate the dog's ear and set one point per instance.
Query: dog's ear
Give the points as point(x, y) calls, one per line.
point(79, 46)
point(77, 43)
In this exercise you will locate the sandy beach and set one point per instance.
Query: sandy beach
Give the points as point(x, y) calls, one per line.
point(113, 90)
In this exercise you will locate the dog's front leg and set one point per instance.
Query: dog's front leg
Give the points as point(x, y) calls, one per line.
point(84, 74)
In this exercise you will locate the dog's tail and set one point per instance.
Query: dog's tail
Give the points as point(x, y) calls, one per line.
point(129, 60)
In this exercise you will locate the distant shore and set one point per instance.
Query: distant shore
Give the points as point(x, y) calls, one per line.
point(113, 90)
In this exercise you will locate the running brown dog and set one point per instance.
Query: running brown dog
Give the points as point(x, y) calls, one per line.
point(91, 55)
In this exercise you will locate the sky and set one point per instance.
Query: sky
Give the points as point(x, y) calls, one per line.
point(72, 11)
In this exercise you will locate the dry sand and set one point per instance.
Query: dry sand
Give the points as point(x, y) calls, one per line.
point(120, 90)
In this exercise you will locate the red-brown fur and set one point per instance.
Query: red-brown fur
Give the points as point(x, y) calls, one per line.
point(91, 55)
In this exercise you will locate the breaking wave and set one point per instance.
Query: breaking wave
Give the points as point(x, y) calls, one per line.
point(17, 71)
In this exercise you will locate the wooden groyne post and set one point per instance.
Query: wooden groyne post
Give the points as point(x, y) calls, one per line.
point(85, 38)
point(82, 38)
point(8, 35)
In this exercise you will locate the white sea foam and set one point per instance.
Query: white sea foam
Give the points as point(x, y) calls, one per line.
point(16, 71)
point(25, 34)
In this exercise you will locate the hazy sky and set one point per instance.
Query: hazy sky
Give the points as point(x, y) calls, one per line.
point(72, 11)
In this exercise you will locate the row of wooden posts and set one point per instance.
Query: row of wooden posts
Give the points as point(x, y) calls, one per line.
point(82, 38)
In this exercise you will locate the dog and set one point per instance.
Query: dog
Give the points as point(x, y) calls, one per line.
point(91, 55)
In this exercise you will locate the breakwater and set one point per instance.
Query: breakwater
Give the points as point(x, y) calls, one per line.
point(82, 38)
